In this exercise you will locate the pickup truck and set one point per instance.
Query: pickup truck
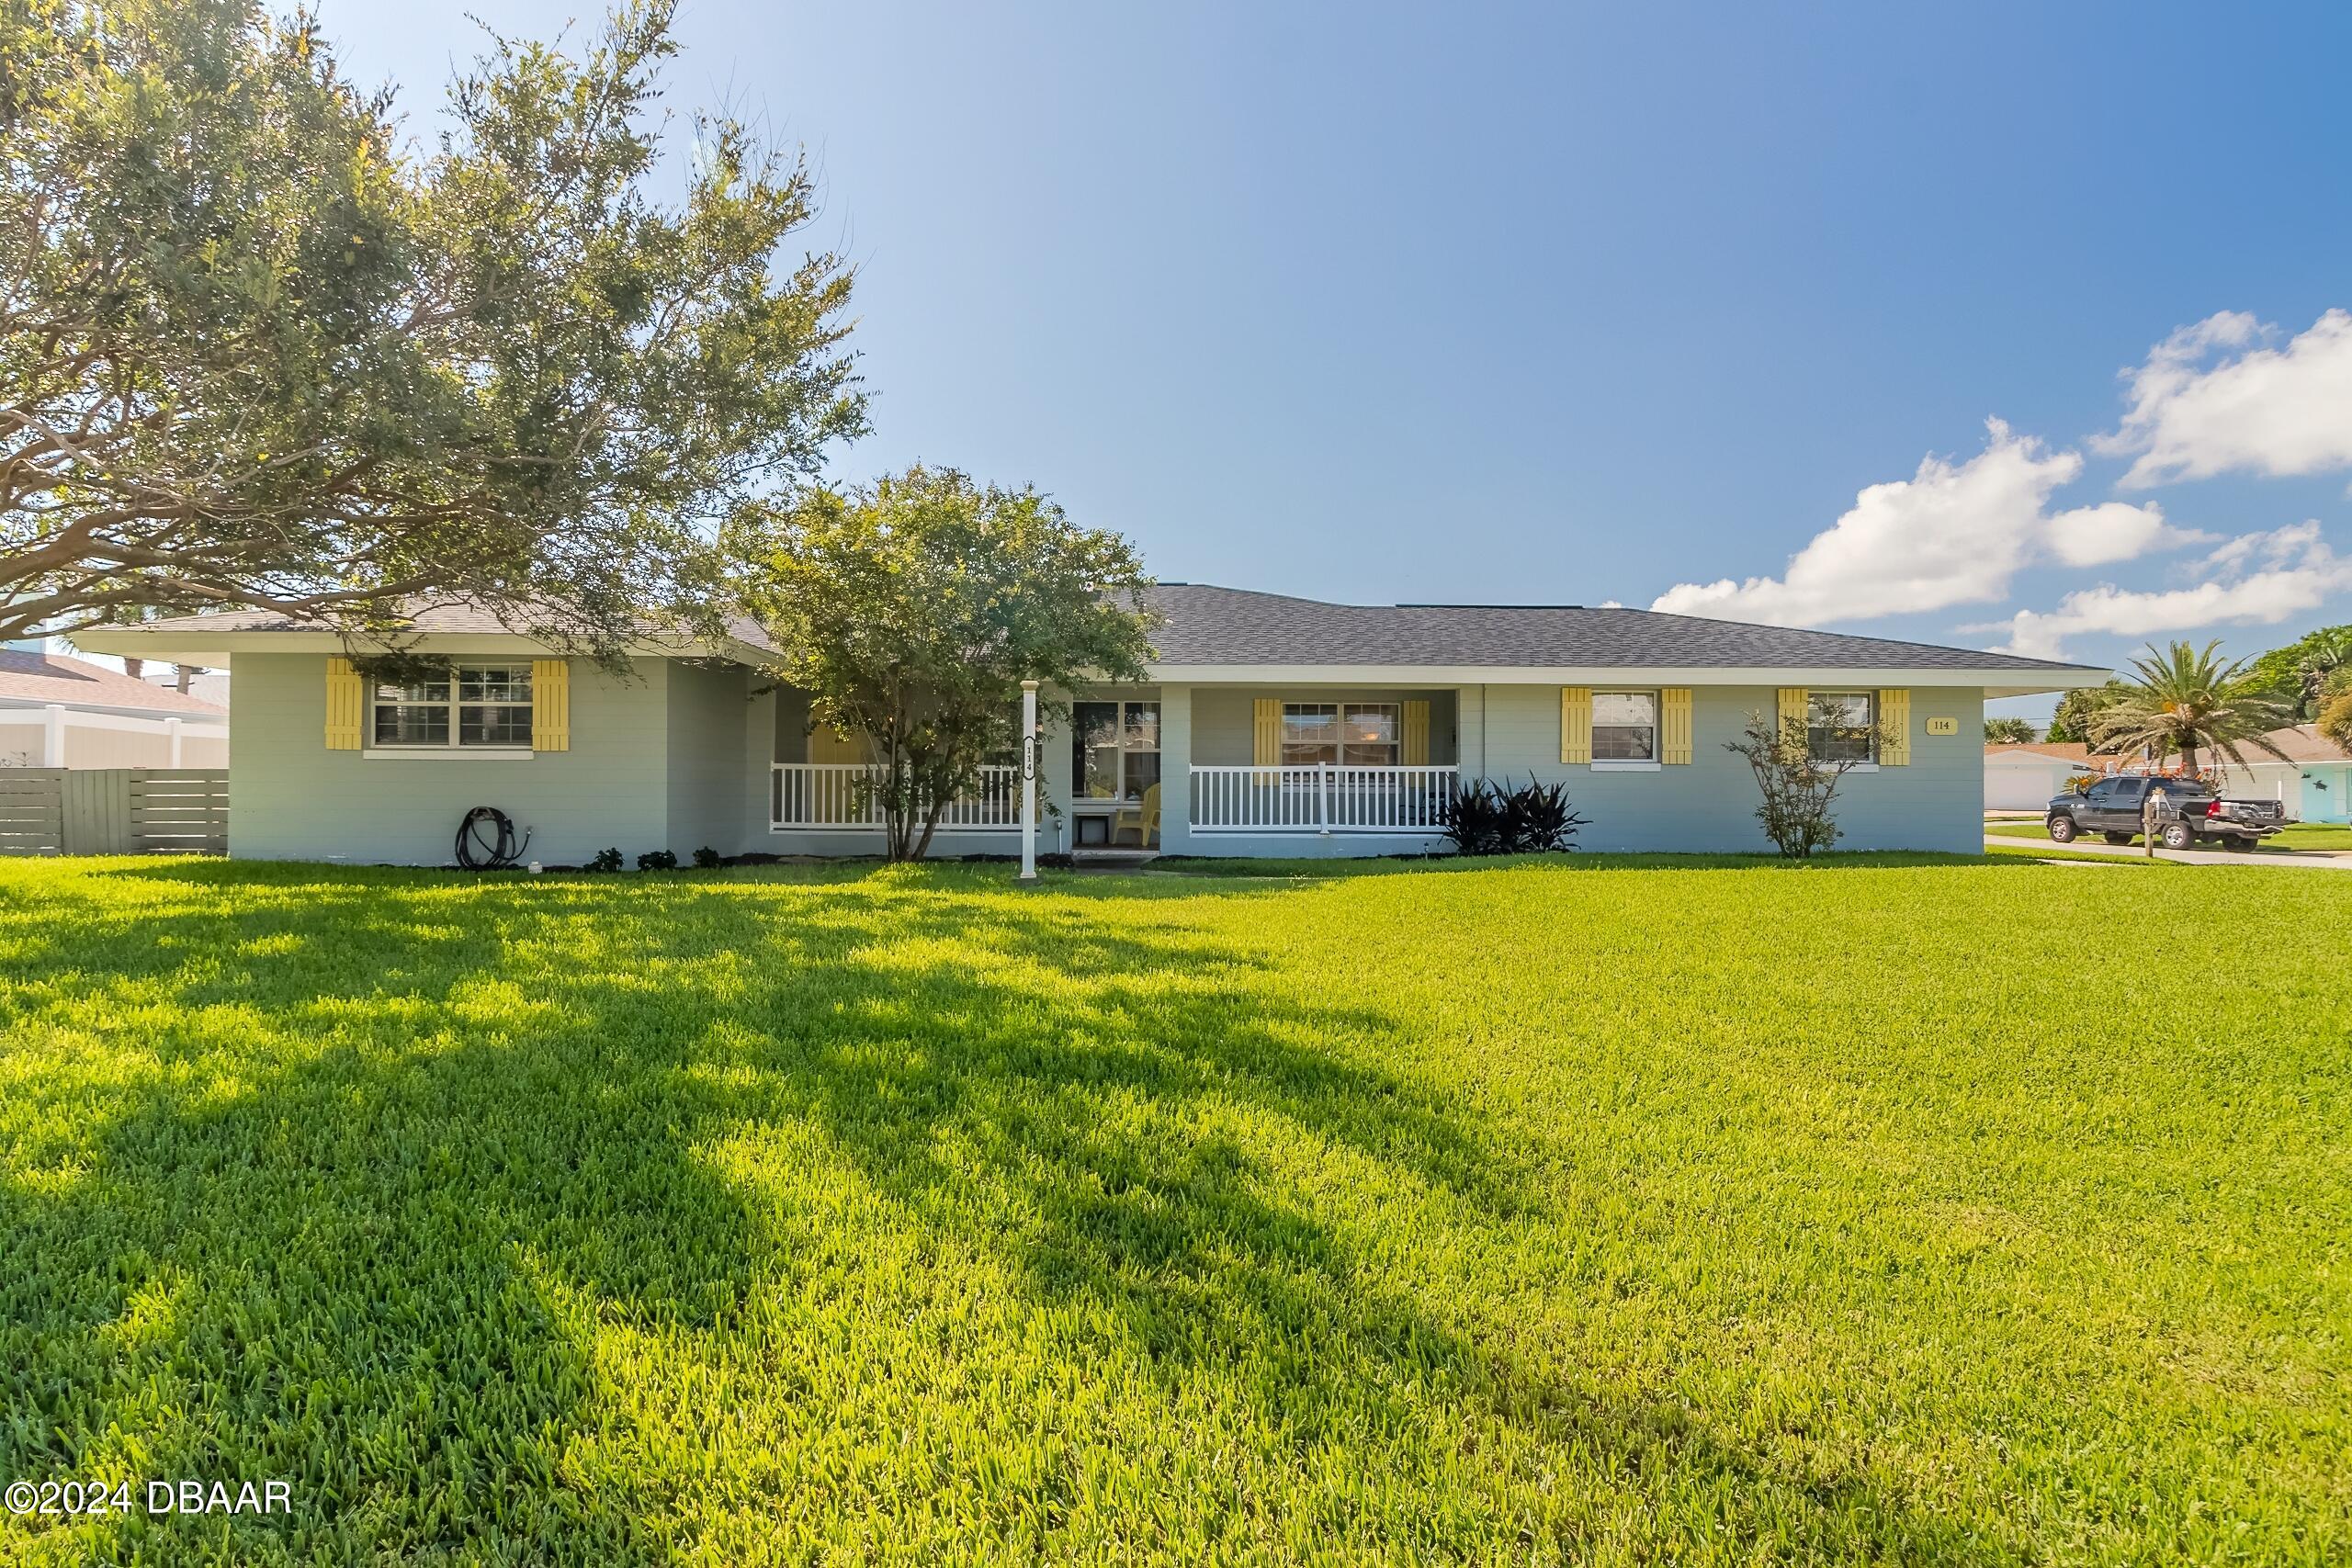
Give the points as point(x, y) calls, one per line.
point(2193, 814)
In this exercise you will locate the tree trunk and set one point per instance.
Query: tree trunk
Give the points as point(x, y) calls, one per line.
point(930, 826)
point(2188, 756)
point(131, 665)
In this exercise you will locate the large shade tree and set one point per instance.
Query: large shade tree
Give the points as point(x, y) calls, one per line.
point(2187, 700)
point(256, 352)
point(913, 609)
point(2078, 712)
point(2299, 672)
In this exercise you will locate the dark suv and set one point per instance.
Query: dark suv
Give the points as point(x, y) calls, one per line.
point(2191, 814)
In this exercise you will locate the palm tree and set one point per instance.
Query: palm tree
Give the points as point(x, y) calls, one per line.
point(2186, 698)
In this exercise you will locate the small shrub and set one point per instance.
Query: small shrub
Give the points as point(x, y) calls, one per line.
point(1799, 789)
point(606, 860)
point(657, 860)
point(706, 858)
point(1487, 819)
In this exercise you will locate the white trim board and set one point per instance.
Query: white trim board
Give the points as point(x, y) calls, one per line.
point(1994, 682)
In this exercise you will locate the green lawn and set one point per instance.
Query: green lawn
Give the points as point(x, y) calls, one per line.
point(2294, 836)
point(1610, 1212)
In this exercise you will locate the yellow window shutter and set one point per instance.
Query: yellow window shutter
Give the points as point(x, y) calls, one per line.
point(551, 705)
point(1894, 728)
point(1266, 734)
point(1414, 741)
point(347, 705)
point(1796, 703)
point(1674, 722)
point(1575, 724)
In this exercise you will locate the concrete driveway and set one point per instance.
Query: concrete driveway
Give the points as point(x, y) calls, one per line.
point(2314, 859)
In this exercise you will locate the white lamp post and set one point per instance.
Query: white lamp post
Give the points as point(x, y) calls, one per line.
point(1028, 780)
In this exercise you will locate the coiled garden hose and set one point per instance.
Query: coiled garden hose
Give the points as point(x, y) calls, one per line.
point(486, 841)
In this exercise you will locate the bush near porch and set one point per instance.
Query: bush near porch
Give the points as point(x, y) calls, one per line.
point(1704, 1213)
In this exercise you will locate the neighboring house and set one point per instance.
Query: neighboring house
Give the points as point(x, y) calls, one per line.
point(57, 711)
point(1270, 725)
point(2314, 782)
point(2022, 776)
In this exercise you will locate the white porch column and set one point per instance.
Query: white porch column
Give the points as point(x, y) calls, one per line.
point(1470, 733)
point(1176, 770)
point(53, 736)
point(1028, 780)
point(172, 734)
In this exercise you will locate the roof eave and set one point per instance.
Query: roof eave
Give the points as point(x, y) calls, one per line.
point(217, 650)
point(1991, 682)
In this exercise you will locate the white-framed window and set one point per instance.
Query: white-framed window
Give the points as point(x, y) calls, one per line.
point(1625, 727)
point(1842, 726)
point(1358, 735)
point(1115, 749)
point(470, 705)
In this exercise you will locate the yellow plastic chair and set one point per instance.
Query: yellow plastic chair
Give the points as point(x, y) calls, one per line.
point(1144, 820)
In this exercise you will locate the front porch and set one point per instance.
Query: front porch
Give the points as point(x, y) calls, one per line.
point(844, 797)
point(1323, 798)
point(1216, 770)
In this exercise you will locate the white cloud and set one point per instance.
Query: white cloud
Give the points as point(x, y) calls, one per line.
point(2254, 579)
point(2114, 531)
point(2208, 401)
point(1951, 534)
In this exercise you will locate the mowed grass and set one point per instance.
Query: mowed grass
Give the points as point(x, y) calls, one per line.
point(1962, 1213)
point(2294, 836)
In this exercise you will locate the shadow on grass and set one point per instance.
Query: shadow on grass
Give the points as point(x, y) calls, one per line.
point(334, 1177)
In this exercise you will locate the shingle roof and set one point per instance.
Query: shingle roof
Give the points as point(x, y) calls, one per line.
point(53, 678)
point(2301, 742)
point(1205, 625)
point(445, 616)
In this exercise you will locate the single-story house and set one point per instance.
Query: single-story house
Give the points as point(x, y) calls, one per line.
point(2023, 775)
point(57, 711)
point(1268, 725)
point(2314, 782)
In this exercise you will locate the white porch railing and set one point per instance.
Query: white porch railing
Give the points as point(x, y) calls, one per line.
point(841, 795)
point(1324, 798)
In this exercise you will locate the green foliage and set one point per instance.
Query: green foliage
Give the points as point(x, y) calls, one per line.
point(2184, 700)
point(911, 610)
point(2334, 715)
point(657, 860)
point(706, 858)
point(1800, 790)
point(607, 859)
point(2011, 732)
point(2297, 674)
point(2078, 712)
point(252, 352)
point(1486, 818)
point(1554, 1212)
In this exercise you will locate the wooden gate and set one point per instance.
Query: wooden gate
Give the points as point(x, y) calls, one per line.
point(113, 811)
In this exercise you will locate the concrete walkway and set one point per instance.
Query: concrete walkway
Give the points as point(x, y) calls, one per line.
point(2317, 860)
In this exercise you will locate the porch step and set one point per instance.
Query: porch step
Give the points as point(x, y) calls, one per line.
point(1106, 856)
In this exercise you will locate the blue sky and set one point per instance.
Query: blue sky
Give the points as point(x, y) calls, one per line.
point(1577, 304)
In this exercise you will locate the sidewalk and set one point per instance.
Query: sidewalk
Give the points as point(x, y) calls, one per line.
point(2312, 859)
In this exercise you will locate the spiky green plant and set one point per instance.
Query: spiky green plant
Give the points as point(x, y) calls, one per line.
point(2186, 699)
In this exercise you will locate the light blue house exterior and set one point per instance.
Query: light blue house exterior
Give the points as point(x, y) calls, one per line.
point(1269, 727)
point(2311, 776)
